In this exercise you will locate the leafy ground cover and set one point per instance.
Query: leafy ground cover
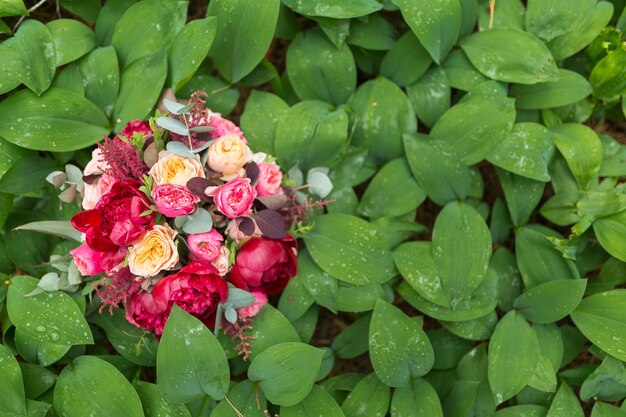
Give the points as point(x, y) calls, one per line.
point(472, 263)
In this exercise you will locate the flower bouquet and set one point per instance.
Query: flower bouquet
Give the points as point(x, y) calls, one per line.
point(179, 210)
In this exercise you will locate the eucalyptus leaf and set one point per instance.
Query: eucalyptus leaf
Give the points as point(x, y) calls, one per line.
point(198, 222)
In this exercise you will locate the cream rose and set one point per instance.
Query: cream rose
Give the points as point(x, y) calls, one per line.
point(228, 154)
point(174, 169)
point(155, 252)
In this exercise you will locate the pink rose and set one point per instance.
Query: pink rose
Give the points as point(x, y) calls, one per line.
point(254, 308)
point(143, 312)
point(97, 164)
point(136, 126)
point(93, 192)
point(174, 200)
point(206, 246)
point(270, 179)
point(222, 263)
point(235, 198)
point(91, 262)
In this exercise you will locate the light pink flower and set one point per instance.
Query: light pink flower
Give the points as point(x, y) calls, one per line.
point(235, 198)
point(97, 164)
point(91, 262)
point(254, 308)
point(270, 179)
point(174, 200)
point(93, 192)
point(206, 246)
point(222, 263)
point(233, 232)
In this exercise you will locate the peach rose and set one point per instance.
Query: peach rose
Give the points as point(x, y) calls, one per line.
point(228, 154)
point(222, 263)
point(155, 252)
point(174, 169)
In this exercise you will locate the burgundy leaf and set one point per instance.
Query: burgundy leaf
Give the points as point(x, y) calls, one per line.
point(90, 179)
point(197, 185)
point(271, 224)
point(273, 202)
point(150, 152)
point(246, 226)
point(252, 172)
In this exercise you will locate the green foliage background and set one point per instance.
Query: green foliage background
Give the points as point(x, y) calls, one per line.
point(502, 134)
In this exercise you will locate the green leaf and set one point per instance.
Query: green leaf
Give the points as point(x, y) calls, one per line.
point(13, 8)
point(430, 96)
point(406, 61)
point(495, 53)
point(610, 232)
point(13, 398)
point(399, 348)
point(509, 14)
point(27, 174)
point(608, 77)
point(471, 134)
point(394, 184)
point(155, 404)
point(200, 221)
point(606, 410)
point(336, 9)
point(382, 114)
point(60, 228)
point(512, 338)
point(436, 24)
point(86, 9)
point(548, 19)
point(311, 134)
point(538, 304)
point(318, 70)
point(350, 249)
point(260, 119)
point(72, 39)
point(538, 260)
point(526, 151)
point(370, 397)
point(190, 361)
point(91, 385)
point(317, 403)
point(136, 345)
point(437, 168)
point(277, 367)
point(146, 74)
point(101, 77)
point(477, 329)
point(607, 382)
point(375, 33)
point(37, 379)
point(461, 73)
point(221, 99)
point(189, 49)
point(353, 340)
point(580, 34)
point(109, 15)
point(569, 88)
point(602, 319)
point(244, 33)
point(522, 195)
point(418, 399)
point(524, 410)
point(29, 56)
point(479, 306)
point(52, 317)
point(59, 120)
point(582, 149)
point(160, 22)
point(461, 250)
point(270, 328)
point(244, 396)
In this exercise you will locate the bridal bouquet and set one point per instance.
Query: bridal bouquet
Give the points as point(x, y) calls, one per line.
point(179, 210)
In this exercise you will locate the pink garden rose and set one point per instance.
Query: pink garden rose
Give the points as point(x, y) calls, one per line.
point(235, 198)
point(136, 126)
point(93, 192)
point(174, 200)
point(143, 312)
point(97, 165)
point(206, 246)
point(270, 179)
point(254, 308)
point(91, 262)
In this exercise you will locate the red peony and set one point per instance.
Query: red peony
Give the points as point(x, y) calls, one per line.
point(116, 220)
point(197, 289)
point(136, 126)
point(143, 312)
point(265, 265)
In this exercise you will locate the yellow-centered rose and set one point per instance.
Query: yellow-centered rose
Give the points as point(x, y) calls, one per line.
point(174, 169)
point(228, 154)
point(154, 253)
